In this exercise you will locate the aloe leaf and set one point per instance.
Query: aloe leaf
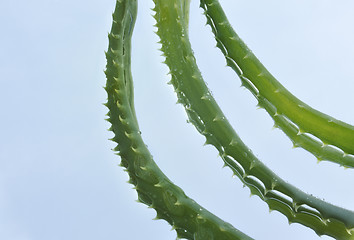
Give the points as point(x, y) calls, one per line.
point(189, 219)
point(202, 110)
point(324, 136)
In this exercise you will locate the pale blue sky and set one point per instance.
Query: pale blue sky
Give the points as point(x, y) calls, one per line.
point(60, 180)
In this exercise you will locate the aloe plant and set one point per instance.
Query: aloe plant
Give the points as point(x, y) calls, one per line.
point(154, 189)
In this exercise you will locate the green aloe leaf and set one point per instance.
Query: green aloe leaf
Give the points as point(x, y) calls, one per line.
point(324, 136)
point(204, 113)
point(189, 219)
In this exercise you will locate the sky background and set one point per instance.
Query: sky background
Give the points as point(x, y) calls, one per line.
point(59, 178)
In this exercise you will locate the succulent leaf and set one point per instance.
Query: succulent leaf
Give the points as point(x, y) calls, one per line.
point(205, 114)
point(324, 136)
point(189, 219)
